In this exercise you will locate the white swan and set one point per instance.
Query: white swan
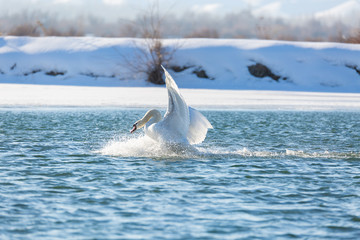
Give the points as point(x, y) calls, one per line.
point(181, 124)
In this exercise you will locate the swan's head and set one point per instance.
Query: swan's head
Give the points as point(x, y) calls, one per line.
point(134, 128)
point(137, 125)
point(150, 114)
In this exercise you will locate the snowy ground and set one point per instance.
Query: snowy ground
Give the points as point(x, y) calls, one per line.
point(88, 71)
point(20, 95)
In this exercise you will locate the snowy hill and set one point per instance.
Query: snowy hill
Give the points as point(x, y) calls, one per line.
point(222, 63)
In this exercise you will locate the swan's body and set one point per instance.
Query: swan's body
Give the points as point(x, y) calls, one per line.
point(181, 124)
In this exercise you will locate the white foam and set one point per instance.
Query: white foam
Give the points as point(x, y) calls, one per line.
point(129, 147)
point(248, 153)
point(143, 146)
point(297, 153)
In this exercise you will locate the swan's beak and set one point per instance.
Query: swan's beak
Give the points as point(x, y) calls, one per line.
point(134, 128)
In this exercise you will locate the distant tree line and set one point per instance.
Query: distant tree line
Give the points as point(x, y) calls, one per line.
point(236, 25)
point(151, 54)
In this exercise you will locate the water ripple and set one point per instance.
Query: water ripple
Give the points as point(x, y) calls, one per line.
point(76, 174)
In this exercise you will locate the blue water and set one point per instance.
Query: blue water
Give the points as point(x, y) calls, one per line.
point(77, 173)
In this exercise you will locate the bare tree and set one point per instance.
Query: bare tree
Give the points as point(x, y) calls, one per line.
point(150, 52)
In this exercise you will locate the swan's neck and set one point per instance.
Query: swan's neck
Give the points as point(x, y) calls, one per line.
point(152, 114)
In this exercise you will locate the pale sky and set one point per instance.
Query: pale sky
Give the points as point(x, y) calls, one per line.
point(111, 10)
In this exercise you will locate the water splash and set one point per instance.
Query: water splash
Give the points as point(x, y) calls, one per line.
point(143, 146)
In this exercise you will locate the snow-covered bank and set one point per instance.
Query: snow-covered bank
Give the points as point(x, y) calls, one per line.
point(24, 95)
point(89, 61)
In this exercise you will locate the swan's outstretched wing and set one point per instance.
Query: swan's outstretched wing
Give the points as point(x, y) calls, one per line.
point(176, 119)
point(198, 128)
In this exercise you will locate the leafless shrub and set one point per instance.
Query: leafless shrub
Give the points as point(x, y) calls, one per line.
point(355, 38)
point(204, 33)
point(25, 29)
point(150, 53)
point(52, 31)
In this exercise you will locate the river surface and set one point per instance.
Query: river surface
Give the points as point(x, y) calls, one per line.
point(77, 173)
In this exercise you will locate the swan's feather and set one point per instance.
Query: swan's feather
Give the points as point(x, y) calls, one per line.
point(177, 116)
point(181, 124)
point(198, 128)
